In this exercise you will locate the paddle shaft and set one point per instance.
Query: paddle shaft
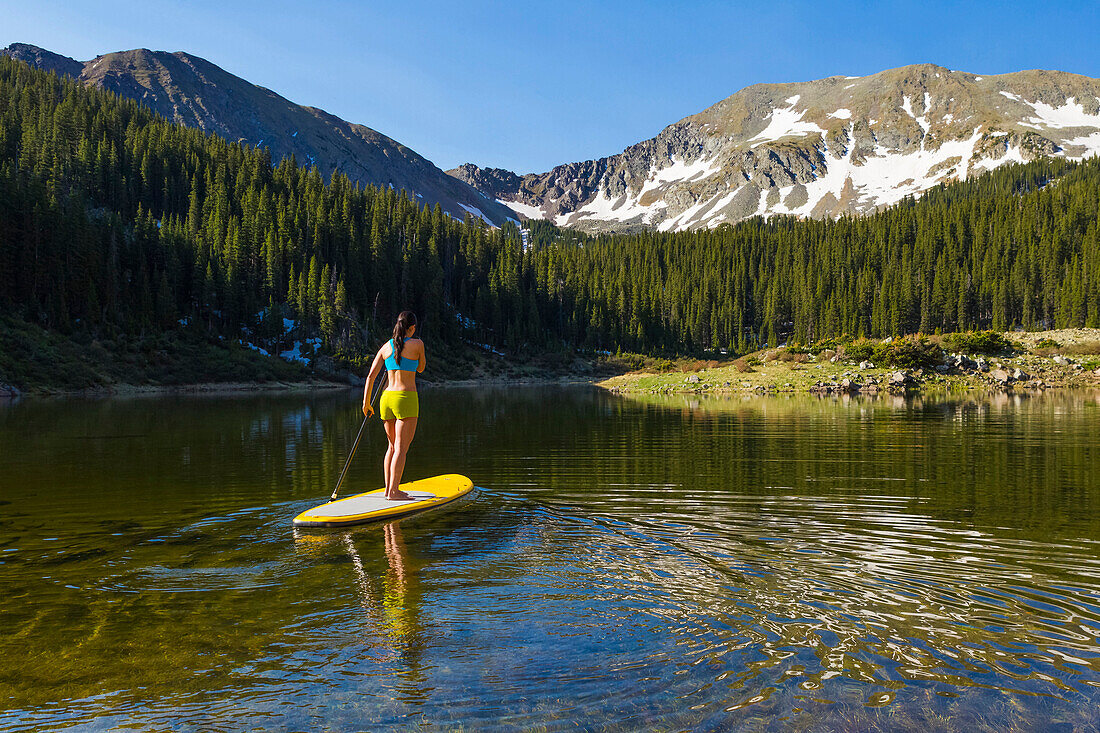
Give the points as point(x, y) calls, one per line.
point(354, 447)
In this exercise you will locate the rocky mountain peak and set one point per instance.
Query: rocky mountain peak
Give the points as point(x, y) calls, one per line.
point(192, 91)
point(823, 148)
point(40, 58)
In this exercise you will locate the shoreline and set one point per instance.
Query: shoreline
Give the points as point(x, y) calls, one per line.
point(1028, 367)
point(309, 385)
point(134, 390)
point(1027, 364)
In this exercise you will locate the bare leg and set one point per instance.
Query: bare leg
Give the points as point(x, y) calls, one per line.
point(405, 430)
point(391, 433)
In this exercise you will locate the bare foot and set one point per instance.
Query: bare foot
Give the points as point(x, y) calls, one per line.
point(399, 496)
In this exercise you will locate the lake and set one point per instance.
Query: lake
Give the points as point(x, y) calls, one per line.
point(665, 563)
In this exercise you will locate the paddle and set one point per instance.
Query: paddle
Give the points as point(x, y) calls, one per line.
point(355, 445)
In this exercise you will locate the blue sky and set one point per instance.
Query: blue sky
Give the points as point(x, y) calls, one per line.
point(526, 86)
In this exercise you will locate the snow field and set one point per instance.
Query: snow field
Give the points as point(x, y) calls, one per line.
point(477, 212)
point(531, 212)
point(785, 122)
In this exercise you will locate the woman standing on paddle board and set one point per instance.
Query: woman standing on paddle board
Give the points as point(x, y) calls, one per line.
point(403, 356)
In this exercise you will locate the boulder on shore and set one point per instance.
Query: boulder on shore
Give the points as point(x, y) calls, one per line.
point(962, 362)
point(900, 378)
point(1002, 376)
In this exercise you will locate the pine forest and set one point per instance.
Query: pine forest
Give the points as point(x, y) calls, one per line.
point(115, 221)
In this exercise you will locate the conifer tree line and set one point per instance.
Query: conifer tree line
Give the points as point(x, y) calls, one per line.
point(114, 220)
point(1018, 247)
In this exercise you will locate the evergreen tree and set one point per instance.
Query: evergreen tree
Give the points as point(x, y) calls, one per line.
point(113, 220)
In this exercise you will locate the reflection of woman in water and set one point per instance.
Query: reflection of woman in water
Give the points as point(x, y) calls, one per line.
point(398, 614)
point(395, 591)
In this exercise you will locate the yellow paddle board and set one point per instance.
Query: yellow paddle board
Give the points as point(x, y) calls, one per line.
point(373, 506)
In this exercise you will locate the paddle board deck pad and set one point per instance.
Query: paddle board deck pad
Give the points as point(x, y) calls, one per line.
point(373, 506)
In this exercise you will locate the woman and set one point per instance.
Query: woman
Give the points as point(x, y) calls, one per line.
point(403, 357)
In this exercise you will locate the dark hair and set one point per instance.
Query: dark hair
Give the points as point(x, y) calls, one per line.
point(404, 322)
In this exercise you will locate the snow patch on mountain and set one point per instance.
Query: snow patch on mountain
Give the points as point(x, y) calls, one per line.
point(1012, 155)
point(887, 176)
point(922, 120)
point(696, 214)
point(604, 208)
point(1070, 114)
point(785, 122)
point(476, 212)
point(527, 210)
point(1090, 142)
point(679, 171)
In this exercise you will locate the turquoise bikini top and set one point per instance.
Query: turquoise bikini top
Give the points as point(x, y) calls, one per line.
point(406, 365)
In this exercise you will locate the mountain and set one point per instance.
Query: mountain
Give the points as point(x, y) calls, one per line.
point(128, 242)
point(841, 145)
point(192, 91)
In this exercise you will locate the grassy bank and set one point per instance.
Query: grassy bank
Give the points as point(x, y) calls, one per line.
point(956, 362)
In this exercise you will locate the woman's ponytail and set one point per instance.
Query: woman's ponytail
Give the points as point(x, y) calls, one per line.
point(400, 330)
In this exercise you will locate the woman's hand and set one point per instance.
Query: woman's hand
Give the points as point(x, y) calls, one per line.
point(368, 408)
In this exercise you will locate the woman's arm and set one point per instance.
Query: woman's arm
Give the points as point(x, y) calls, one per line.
point(375, 367)
point(423, 358)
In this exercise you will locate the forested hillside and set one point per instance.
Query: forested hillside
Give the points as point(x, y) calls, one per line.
point(114, 221)
point(1019, 247)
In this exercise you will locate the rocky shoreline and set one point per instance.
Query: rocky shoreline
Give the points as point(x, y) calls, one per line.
point(1029, 365)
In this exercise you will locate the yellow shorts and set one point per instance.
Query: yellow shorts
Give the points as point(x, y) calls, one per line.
point(398, 405)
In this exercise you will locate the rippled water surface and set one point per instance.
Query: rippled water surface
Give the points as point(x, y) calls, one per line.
point(678, 563)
